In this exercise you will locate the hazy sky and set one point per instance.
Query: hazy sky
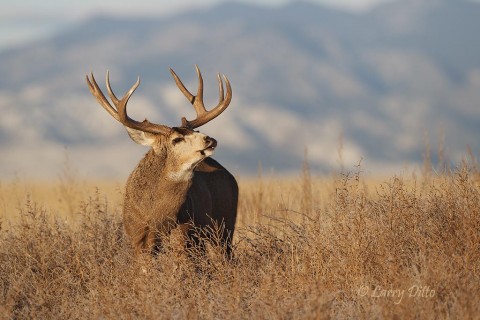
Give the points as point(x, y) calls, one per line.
point(23, 20)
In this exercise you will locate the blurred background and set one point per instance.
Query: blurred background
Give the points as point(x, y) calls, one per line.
point(387, 83)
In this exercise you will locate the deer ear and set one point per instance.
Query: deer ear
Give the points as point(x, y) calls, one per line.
point(140, 137)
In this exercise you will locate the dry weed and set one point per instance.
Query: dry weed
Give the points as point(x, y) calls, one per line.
point(339, 247)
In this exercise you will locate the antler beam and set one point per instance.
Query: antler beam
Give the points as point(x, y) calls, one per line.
point(120, 113)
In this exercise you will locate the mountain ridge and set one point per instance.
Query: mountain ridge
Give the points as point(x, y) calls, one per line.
point(316, 74)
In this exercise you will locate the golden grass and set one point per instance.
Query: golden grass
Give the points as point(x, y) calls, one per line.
point(307, 248)
point(56, 197)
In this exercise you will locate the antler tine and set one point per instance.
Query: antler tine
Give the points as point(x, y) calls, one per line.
point(182, 88)
point(98, 94)
point(121, 104)
point(198, 102)
point(220, 87)
point(204, 116)
point(120, 113)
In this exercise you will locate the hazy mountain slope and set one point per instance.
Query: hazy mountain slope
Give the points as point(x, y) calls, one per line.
point(302, 76)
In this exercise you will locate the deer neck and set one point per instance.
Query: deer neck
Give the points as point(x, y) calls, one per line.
point(168, 175)
point(151, 192)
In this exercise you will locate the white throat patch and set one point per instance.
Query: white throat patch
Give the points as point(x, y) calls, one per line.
point(183, 174)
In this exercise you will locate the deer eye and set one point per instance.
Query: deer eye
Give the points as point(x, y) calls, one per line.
point(177, 140)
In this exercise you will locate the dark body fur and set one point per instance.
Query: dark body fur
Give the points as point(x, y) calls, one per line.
point(211, 203)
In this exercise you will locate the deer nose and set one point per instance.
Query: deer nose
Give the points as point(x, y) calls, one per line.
point(210, 141)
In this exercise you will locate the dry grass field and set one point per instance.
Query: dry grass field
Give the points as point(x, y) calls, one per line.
point(339, 247)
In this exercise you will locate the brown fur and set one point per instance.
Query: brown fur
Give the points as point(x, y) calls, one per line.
point(154, 203)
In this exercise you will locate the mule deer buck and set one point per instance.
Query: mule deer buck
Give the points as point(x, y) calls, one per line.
point(176, 183)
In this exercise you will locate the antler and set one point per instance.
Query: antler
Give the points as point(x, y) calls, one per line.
point(120, 113)
point(203, 116)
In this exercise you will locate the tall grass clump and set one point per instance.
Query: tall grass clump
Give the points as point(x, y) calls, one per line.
point(308, 248)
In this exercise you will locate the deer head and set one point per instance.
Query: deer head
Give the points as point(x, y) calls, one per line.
point(184, 147)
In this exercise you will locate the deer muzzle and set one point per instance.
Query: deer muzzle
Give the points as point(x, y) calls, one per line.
point(210, 143)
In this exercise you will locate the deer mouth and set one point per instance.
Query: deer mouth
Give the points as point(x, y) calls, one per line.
point(211, 145)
